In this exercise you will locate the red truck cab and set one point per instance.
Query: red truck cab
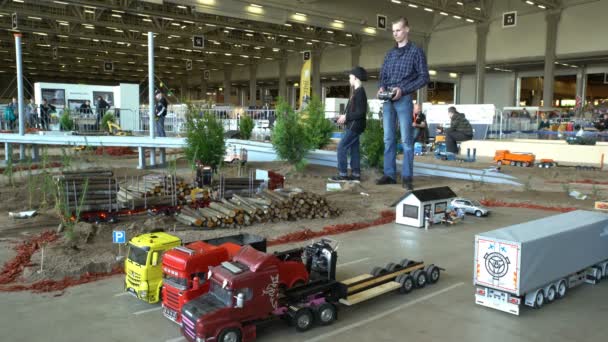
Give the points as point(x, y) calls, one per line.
point(243, 290)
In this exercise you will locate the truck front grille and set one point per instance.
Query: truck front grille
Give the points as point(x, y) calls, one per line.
point(134, 278)
point(172, 299)
point(188, 327)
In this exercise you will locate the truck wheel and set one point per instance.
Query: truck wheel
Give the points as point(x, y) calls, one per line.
point(513, 163)
point(526, 164)
point(230, 335)
point(406, 262)
point(432, 273)
point(303, 319)
point(499, 163)
point(551, 294)
point(561, 289)
point(407, 284)
point(539, 300)
point(478, 213)
point(419, 278)
point(326, 314)
point(376, 271)
point(392, 267)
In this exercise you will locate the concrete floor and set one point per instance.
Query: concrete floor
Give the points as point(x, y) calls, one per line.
point(441, 312)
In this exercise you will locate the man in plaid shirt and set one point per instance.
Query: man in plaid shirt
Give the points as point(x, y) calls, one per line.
point(405, 70)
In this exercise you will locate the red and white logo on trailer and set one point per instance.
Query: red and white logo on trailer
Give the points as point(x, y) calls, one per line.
point(496, 265)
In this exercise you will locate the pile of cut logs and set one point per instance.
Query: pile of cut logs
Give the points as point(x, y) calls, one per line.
point(268, 206)
point(152, 189)
point(100, 186)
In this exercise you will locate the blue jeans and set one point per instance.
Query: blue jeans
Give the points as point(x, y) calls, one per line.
point(160, 127)
point(349, 141)
point(401, 109)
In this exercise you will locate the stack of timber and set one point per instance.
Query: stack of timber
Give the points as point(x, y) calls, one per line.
point(267, 206)
point(153, 189)
point(240, 186)
point(89, 190)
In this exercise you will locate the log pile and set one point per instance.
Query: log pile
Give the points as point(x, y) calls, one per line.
point(153, 189)
point(268, 206)
point(100, 185)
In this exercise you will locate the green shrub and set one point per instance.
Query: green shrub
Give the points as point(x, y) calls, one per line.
point(107, 117)
point(65, 122)
point(245, 127)
point(372, 144)
point(289, 138)
point(318, 128)
point(204, 138)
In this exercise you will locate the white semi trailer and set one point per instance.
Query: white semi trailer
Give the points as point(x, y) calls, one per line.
point(536, 262)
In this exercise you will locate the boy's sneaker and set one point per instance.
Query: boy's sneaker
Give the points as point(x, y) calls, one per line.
point(339, 178)
point(356, 178)
point(386, 180)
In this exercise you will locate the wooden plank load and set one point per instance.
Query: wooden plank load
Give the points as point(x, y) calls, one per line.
point(100, 185)
point(153, 189)
point(268, 206)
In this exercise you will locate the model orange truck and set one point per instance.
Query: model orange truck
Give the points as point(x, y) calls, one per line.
point(505, 157)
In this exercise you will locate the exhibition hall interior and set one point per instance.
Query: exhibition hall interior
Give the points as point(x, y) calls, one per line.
point(303, 170)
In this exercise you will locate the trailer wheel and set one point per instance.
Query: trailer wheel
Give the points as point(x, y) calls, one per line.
point(513, 163)
point(392, 267)
point(432, 273)
point(376, 271)
point(407, 284)
point(303, 319)
point(598, 271)
point(419, 278)
point(539, 300)
point(561, 289)
point(230, 335)
point(406, 262)
point(326, 314)
point(551, 294)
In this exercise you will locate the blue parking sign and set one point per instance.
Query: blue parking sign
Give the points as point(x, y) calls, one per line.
point(119, 236)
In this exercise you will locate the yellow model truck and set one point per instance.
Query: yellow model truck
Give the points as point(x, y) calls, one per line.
point(143, 266)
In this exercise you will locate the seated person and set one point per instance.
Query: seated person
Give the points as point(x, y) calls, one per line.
point(460, 130)
point(544, 124)
point(421, 129)
point(602, 123)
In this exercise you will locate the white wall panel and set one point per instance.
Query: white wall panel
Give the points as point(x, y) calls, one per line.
point(336, 60)
point(453, 46)
point(500, 89)
point(527, 39)
point(467, 89)
point(583, 28)
point(373, 52)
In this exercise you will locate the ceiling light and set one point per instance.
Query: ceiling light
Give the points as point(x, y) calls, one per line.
point(308, 43)
point(428, 9)
point(249, 34)
point(443, 13)
point(459, 3)
point(396, 1)
point(413, 5)
point(168, 19)
point(116, 15)
point(40, 33)
point(288, 25)
point(330, 32)
point(64, 24)
point(299, 17)
point(529, 2)
point(257, 6)
point(176, 24)
point(478, 8)
point(457, 17)
point(432, 72)
point(453, 75)
point(369, 30)
point(148, 20)
point(89, 11)
point(470, 20)
point(182, 7)
point(34, 18)
point(542, 6)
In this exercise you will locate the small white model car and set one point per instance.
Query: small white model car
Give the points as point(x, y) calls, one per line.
point(470, 206)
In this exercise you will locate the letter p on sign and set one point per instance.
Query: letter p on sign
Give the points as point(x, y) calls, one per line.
point(119, 236)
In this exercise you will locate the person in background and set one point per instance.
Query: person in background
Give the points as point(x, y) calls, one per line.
point(31, 113)
point(85, 108)
point(354, 125)
point(421, 129)
point(102, 107)
point(161, 112)
point(11, 113)
point(460, 130)
point(403, 71)
point(45, 114)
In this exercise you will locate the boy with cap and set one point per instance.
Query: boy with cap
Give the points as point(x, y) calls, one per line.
point(354, 125)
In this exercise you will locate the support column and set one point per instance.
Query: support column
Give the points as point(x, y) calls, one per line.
point(21, 114)
point(142, 158)
point(355, 55)
point(253, 70)
point(227, 84)
point(552, 18)
point(204, 89)
point(581, 86)
point(8, 151)
point(150, 88)
point(184, 90)
point(163, 157)
point(517, 89)
point(283, 77)
point(424, 91)
point(480, 74)
point(35, 153)
point(152, 157)
point(316, 73)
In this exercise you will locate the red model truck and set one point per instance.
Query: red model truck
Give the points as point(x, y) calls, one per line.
point(185, 268)
point(246, 292)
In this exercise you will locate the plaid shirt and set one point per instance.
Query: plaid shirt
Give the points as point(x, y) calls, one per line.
point(406, 68)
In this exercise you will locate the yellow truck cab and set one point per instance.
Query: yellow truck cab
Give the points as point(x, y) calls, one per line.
point(143, 266)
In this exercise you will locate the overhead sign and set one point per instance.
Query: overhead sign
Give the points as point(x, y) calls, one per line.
point(15, 21)
point(509, 19)
point(119, 236)
point(306, 56)
point(206, 75)
point(381, 22)
point(188, 64)
point(479, 114)
point(108, 66)
point(198, 42)
point(55, 52)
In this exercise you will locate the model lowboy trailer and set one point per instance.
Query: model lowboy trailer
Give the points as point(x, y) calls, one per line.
point(536, 262)
point(244, 293)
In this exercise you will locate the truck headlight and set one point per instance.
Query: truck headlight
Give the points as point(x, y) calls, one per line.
point(200, 339)
point(143, 294)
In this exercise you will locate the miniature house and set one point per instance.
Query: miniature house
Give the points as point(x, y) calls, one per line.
point(411, 207)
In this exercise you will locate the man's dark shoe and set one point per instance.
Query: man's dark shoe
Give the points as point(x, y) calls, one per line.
point(408, 185)
point(385, 180)
point(338, 178)
point(356, 178)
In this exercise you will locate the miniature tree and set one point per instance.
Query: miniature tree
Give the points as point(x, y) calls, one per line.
point(204, 138)
point(318, 128)
point(245, 127)
point(65, 122)
point(289, 138)
point(107, 117)
point(372, 143)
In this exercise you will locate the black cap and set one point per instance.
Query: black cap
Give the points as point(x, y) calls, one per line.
point(452, 109)
point(359, 73)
